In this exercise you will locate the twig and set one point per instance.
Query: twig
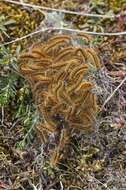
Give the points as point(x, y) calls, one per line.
point(113, 93)
point(61, 185)
point(52, 184)
point(31, 184)
point(14, 124)
point(21, 38)
point(2, 115)
point(65, 29)
point(65, 11)
point(99, 182)
point(74, 187)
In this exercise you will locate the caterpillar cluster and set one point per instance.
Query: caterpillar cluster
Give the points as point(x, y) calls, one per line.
point(57, 73)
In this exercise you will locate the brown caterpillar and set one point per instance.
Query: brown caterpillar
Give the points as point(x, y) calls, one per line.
point(57, 71)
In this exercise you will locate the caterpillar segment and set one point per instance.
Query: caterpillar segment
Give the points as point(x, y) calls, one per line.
point(39, 53)
point(59, 37)
point(82, 69)
point(81, 52)
point(92, 56)
point(65, 53)
point(74, 86)
point(55, 44)
point(86, 37)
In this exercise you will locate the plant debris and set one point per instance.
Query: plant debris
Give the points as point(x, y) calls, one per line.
point(88, 161)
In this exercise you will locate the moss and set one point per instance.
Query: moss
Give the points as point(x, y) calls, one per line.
point(25, 20)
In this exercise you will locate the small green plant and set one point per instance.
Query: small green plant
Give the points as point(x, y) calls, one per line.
point(7, 79)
